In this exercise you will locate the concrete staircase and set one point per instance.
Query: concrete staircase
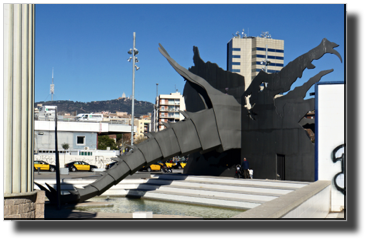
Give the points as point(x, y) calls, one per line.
point(202, 190)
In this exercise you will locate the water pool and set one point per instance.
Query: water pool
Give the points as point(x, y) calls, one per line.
point(130, 205)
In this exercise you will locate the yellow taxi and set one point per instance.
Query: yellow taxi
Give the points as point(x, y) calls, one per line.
point(79, 166)
point(156, 167)
point(175, 165)
point(152, 167)
point(170, 164)
point(180, 164)
point(43, 166)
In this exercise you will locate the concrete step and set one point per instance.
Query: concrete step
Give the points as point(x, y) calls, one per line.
point(195, 199)
point(153, 184)
point(234, 181)
point(204, 190)
point(213, 193)
point(216, 186)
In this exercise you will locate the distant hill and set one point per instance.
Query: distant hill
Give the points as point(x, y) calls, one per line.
point(122, 105)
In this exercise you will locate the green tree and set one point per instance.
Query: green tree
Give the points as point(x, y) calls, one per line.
point(105, 141)
point(65, 146)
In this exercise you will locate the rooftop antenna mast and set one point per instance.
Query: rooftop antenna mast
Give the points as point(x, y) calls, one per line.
point(52, 86)
point(244, 35)
point(266, 35)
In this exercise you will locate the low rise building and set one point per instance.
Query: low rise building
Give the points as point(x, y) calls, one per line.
point(81, 137)
point(142, 127)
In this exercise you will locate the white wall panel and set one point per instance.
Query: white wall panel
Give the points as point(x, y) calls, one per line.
point(330, 133)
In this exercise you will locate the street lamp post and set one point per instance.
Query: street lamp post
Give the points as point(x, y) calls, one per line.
point(134, 59)
point(155, 108)
point(58, 183)
point(266, 63)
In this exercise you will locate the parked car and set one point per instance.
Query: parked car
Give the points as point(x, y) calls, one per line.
point(152, 167)
point(79, 166)
point(175, 165)
point(110, 165)
point(146, 168)
point(180, 164)
point(44, 166)
point(156, 167)
point(170, 163)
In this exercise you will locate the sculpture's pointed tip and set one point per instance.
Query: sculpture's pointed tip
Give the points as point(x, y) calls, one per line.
point(329, 47)
point(185, 114)
point(51, 188)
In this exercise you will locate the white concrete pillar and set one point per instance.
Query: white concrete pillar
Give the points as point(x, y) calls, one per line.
point(31, 93)
point(24, 99)
point(8, 93)
point(18, 97)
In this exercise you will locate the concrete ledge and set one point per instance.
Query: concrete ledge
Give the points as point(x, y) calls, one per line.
point(142, 214)
point(98, 169)
point(279, 207)
point(20, 195)
point(28, 205)
point(84, 205)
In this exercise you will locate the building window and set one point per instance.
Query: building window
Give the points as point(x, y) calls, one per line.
point(236, 63)
point(270, 57)
point(236, 49)
point(85, 153)
point(268, 70)
point(276, 50)
point(236, 56)
point(269, 49)
point(235, 70)
point(80, 140)
point(273, 64)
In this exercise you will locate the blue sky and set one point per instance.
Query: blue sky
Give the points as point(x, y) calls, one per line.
point(87, 44)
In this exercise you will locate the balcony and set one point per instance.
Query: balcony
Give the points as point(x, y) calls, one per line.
point(169, 115)
point(169, 109)
point(169, 102)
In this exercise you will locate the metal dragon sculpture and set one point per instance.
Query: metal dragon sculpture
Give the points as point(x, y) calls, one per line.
point(219, 123)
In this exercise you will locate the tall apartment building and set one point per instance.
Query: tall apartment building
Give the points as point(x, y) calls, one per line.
point(167, 107)
point(246, 55)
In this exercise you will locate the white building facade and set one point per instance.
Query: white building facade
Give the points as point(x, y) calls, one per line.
point(82, 138)
point(167, 109)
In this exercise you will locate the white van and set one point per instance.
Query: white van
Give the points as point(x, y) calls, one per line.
point(89, 117)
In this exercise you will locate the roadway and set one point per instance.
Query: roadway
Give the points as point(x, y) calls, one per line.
point(95, 175)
